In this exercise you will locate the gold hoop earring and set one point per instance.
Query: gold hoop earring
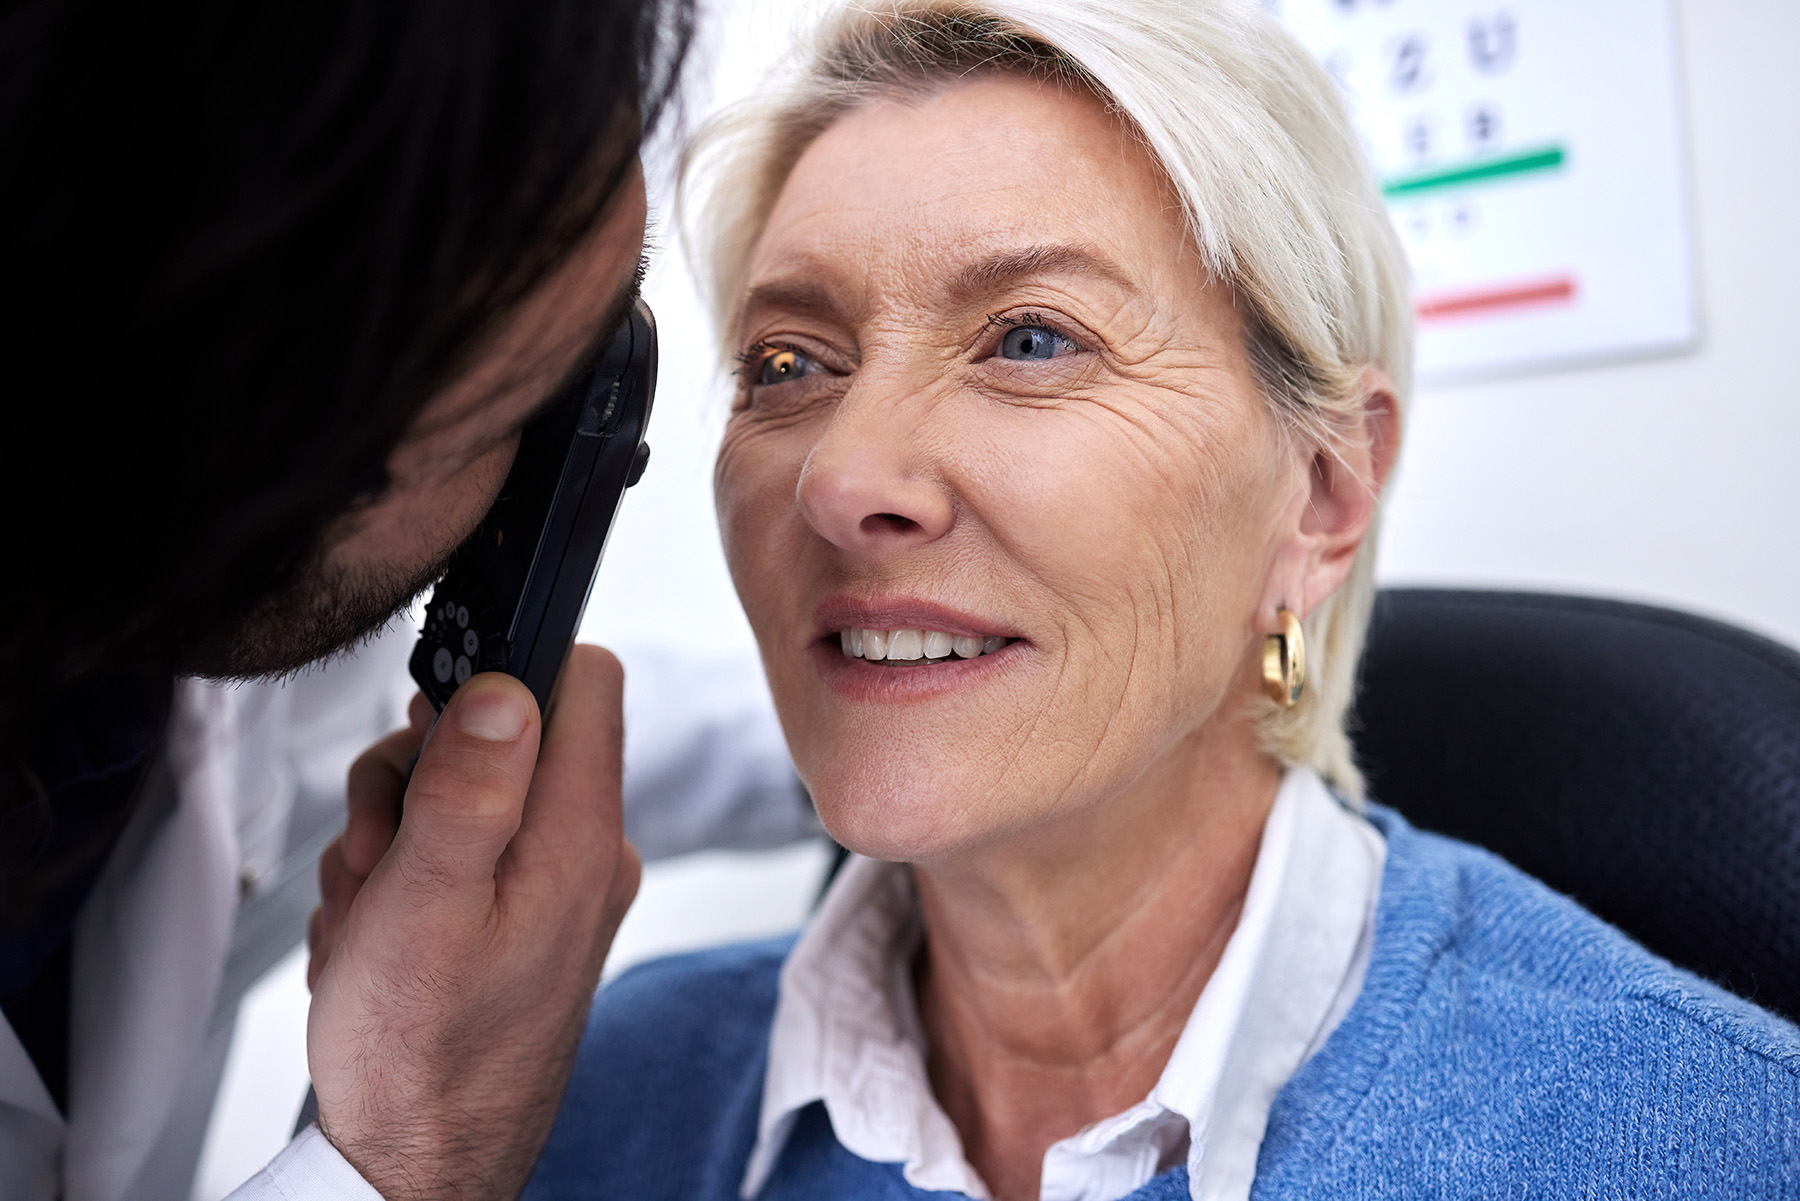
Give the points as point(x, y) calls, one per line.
point(1284, 661)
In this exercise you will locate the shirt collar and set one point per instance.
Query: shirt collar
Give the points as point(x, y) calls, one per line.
point(846, 1029)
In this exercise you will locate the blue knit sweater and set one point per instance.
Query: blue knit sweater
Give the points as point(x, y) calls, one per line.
point(1506, 1044)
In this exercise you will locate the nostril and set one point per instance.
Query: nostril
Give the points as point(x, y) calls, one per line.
point(876, 522)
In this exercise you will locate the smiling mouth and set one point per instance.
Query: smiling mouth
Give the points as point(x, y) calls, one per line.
point(915, 648)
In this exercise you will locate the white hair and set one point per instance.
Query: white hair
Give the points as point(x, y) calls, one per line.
point(1252, 134)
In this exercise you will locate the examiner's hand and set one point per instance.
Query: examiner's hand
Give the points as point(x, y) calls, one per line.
point(454, 956)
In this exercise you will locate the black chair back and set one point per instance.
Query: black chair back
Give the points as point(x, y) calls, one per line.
point(1643, 761)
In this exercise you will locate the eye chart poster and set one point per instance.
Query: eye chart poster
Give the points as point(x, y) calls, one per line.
point(1531, 155)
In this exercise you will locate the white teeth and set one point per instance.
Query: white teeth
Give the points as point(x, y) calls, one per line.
point(912, 645)
point(906, 644)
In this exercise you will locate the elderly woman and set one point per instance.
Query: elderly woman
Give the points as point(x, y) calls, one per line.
point(1074, 345)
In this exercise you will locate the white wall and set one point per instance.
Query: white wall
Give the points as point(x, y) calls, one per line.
point(1672, 481)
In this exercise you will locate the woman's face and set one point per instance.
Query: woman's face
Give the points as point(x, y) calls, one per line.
point(995, 424)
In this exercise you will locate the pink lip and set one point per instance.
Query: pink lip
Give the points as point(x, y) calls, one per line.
point(860, 680)
point(901, 613)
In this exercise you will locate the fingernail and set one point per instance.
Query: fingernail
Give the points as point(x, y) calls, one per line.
point(493, 714)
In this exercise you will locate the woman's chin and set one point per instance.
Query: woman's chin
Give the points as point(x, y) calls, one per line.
point(894, 814)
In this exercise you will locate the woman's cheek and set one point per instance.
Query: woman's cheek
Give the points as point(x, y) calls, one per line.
point(1139, 531)
point(1090, 511)
point(753, 488)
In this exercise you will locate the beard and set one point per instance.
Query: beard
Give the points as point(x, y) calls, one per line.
point(325, 610)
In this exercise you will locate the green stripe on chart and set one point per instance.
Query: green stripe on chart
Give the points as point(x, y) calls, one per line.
point(1519, 164)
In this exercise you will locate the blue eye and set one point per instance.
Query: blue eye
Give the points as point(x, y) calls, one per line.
point(1034, 342)
point(781, 366)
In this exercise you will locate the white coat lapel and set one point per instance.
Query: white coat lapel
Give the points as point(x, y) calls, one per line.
point(149, 950)
point(31, 1127)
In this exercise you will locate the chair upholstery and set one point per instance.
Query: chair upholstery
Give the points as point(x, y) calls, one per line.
point(1644, 761)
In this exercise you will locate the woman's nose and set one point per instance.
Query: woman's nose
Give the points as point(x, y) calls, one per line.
point(869, 487)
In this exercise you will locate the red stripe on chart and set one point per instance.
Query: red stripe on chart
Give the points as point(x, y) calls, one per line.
point(1449, 305)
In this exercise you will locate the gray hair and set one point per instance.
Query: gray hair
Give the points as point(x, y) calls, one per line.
point(1254, 137)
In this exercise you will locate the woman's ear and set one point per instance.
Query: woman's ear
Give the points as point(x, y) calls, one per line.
point(1343, 495)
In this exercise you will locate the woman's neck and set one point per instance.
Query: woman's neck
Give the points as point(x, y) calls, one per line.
point(1058, 975)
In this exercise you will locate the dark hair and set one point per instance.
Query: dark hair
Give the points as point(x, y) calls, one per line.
point(240, 246)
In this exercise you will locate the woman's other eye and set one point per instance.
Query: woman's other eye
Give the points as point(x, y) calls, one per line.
point(1035, 343)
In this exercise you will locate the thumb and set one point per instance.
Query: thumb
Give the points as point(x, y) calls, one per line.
point(467, 792)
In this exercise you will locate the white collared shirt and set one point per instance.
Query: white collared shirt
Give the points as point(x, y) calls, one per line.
point(846, 1029)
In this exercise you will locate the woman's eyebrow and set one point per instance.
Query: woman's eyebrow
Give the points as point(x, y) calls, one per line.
point(1008, 268)
point(789, 296)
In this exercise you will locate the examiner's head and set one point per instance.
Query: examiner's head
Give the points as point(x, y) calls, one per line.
point(1077, 333)
point(282, 284)
point(250, 255)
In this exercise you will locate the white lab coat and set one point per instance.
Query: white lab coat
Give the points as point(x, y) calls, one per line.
point(214, 877)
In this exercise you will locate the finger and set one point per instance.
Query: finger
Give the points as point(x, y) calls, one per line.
point(419, 713)
point(621, 892)
point(467, 792)
point(338, 884)
point(373, 792)
point(316, 953)
point(626, 879)
point(338, 888)
point(573, 827)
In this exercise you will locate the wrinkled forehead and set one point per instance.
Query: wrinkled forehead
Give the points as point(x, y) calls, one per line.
point(934, 198)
